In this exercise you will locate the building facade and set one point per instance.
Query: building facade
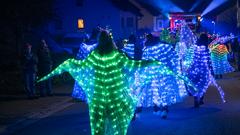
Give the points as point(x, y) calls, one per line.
point(77, 16)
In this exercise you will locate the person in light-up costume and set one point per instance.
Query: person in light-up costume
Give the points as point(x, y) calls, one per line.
point(164, 90)
point(219, 58)
point(200, 71)
point(167, 90)
point(185, 46)
point(84, 50)
point(103, 77)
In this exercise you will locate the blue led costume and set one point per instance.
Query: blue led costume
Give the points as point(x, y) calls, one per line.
point(84, 51)
point(163, 90)
point(200, 72)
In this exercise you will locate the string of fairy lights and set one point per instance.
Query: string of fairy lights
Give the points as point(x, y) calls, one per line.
point(105, 87)
point(185, 46)
point(84, 51)
point(219, 56)
point(164, 89)
point(200, 73)
point(114, 85)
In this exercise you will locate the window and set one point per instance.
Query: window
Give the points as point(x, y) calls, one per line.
point(130, 22)
point(58, 24)
point(79, 3)
point(80, 23)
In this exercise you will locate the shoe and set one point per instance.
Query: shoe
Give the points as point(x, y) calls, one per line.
point(196, 103)
point(164, 114)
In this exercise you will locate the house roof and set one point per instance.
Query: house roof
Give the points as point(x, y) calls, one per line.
point(126, 5)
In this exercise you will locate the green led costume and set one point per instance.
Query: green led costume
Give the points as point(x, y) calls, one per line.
point(112, 87)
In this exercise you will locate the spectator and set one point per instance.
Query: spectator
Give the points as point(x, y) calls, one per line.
point(29, 63)
point(45, 66)
point(236, 50)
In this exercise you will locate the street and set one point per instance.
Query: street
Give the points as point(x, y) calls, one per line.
point(212, 118)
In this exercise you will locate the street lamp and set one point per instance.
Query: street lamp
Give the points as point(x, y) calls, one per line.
point(213, 22)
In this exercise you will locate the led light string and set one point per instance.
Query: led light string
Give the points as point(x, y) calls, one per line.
point(84, 50)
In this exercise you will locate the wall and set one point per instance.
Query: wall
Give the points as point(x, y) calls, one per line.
point(147, 21)
point(102, 13)
point(126, 30)
point(227, 21)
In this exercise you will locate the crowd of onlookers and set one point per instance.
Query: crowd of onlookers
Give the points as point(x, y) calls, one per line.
point(36, 64)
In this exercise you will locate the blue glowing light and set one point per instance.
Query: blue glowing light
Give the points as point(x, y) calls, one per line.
point(214, 4)
point(163, 90)
point(104, 80)
point(200, 72)
point(185, 46)
point(219, 59)
point(83, 52)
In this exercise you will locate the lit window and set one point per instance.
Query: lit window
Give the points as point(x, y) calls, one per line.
point(80, 23)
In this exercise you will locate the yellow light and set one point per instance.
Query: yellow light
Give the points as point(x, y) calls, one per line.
point(80, 23)
point(199, 17)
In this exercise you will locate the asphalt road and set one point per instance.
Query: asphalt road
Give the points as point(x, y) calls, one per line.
point(213, 118)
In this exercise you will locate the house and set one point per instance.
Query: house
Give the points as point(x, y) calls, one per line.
point(152, 19)
point(80, 16)
point(228, 18)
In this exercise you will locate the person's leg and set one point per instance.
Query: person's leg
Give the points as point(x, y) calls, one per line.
point(42, 89)
point(220, 76)
point(201, 100)
point(164, 112)
point(26, 84)
point(120, 117)
point(32, 81)
point(156, 109)
point(196, 102)
point(97, 120)
point(48, 85)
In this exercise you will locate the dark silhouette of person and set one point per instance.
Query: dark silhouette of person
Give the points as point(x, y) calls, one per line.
point(29, 66)
point(45, 66)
